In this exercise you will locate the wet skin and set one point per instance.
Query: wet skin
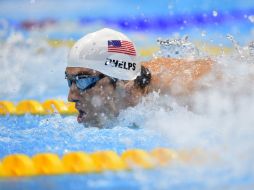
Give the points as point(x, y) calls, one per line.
point(104, 101)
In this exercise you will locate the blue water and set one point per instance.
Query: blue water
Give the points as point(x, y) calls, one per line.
point(35, 134)
point(74, 19)
point(176, 129)
point(130, 180)
point(219, 121)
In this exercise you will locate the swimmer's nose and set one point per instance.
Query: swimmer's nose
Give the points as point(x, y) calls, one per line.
point(73, 95)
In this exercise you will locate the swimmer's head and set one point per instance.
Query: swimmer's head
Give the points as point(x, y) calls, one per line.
point(107, 51)
point(104, 76)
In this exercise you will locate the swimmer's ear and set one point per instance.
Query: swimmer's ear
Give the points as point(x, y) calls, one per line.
point(144, 79)
point(113, 81)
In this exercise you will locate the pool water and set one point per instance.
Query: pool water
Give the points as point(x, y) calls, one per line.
point(219, 121)
point(221, 132)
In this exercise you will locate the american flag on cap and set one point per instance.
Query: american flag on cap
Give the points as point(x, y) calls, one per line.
point(121, 46)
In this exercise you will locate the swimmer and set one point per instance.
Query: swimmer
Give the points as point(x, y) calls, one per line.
point(105, 76)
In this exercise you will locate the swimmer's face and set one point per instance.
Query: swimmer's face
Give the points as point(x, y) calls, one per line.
point(97, 104)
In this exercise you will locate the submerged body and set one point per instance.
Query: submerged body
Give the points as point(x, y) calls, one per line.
point(104, 101)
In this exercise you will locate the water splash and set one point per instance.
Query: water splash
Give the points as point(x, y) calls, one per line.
point(251, 48)
point(30, 69)
point(217, 118)
point(245, 53)
point(177, 48)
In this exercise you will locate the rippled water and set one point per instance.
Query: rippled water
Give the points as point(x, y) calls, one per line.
point(217, 119)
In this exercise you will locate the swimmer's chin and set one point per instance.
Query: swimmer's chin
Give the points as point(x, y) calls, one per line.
point(91, 123)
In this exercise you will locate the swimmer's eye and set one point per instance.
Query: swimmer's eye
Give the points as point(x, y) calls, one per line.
point(83, 82)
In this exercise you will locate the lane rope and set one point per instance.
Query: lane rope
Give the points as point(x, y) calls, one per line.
point(37, 108)
point(81, 162)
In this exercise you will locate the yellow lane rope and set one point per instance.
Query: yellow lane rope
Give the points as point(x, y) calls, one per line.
point(81, 162)
point(36, 108)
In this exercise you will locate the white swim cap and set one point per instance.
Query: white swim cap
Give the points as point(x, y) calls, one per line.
point(107, 51)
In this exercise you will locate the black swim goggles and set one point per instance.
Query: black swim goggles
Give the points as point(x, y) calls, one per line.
point(83, 82)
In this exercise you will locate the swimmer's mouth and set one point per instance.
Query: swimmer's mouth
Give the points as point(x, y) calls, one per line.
point(81, 116)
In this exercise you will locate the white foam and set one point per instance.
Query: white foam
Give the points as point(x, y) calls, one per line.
point(220, 118)
point(30, 68)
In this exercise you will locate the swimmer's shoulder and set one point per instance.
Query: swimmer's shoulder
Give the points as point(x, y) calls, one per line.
point(164, 64)
point(167, 73)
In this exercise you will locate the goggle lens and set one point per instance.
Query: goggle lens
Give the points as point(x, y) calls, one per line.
point(83, 82)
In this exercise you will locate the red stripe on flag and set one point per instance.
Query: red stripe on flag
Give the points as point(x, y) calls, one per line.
point(123, 49)
point(124, 52)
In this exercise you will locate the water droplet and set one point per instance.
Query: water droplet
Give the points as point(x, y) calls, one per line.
point(203, 33)
point(251, 18)
point(215, 13)
point(251, 48)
